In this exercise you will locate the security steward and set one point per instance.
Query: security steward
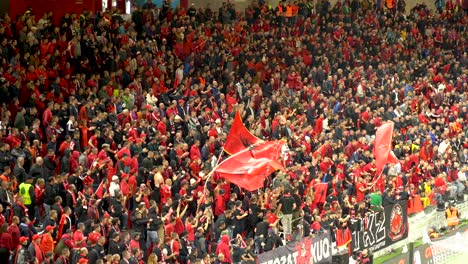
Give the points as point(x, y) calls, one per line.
point(452, 215)
point(26, 190)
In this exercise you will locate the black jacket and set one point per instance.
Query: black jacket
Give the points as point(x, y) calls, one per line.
point(4, 198)
point(114, 248)
point(139, 225)
point(19, 211)
point(37, 172)
point(19, 173)
point(49, 194)
point(184, 252)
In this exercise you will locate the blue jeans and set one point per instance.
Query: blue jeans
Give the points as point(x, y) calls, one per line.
point(151, 237)
point(459, 185)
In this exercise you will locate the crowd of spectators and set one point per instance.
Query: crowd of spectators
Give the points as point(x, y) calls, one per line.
point(110, 127)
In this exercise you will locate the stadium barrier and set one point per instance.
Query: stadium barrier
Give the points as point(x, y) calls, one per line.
point(419, 225)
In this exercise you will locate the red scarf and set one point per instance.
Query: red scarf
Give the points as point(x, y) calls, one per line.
point(73, 197)
point(63, 220)
point(38, 252)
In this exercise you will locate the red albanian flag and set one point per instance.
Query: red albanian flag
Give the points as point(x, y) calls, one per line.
point(383, 146)
point(239, 137)
point(249, 168)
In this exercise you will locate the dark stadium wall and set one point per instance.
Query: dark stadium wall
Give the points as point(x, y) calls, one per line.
point(58, 7)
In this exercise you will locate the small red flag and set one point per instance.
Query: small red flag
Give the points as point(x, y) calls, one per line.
point(320, 192)
point(249, 167)
point(100, 190)
point(343, 237)
point(239, 137)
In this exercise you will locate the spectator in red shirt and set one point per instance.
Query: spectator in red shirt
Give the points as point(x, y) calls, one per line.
point(6, 242)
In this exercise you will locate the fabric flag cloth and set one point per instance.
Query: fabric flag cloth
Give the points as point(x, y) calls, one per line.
point(383, 145)
point(239, 137)
point(100, 190)
point(248, 168)
point(343, 238)
point(320, 193)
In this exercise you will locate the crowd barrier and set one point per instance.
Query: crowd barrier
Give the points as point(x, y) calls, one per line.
point(317, 249)
point(381, 233)
point(377, 231)
point(420, 223)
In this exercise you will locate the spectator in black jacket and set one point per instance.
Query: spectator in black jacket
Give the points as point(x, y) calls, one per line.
point(49, 194)
point(117, 210)
point(37, 170)
point(99, 247)
point(5, 196)
point(19, 172)
point(272, 241)
point(140, 222)
point(5, 156)
point(49, 163)
point(184, 243)
point(19, 209)
point(114, 245)
point(387, 198)
point(51, 219)
point(93, 255)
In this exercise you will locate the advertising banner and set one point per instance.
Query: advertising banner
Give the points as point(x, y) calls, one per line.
point(380, 230)
point(310, 250)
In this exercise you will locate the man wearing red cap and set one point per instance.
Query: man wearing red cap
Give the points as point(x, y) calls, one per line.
point(35, 249)
point(22, 254)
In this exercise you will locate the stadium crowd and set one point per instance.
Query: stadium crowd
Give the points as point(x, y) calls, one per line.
point(110, 127)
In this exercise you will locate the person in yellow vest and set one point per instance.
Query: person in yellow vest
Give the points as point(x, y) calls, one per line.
point(26, 191)
point(452, 215)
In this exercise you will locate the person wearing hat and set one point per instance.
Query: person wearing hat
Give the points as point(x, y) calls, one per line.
point(35, 249)
point(114, 186)
point(22, 253)
point(47, 241)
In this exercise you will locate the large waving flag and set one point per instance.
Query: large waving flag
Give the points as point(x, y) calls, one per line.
point(249, 167)
point(239, 137)
point(383, 146)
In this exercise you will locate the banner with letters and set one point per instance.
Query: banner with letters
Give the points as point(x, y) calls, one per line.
point(380, 230)
point(315, 250)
